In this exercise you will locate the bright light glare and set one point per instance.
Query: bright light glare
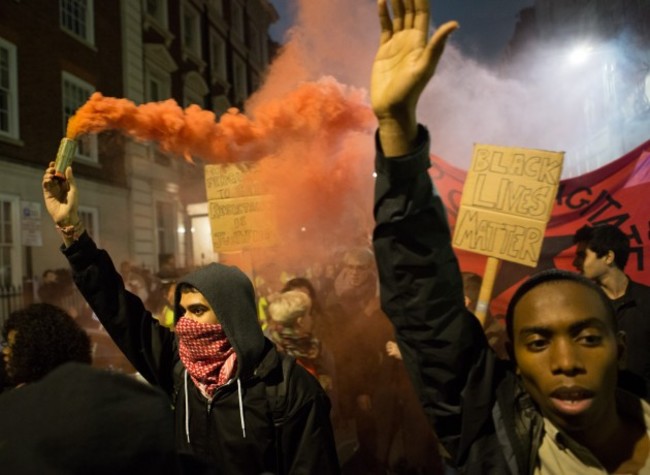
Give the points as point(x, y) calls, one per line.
point(579, 54)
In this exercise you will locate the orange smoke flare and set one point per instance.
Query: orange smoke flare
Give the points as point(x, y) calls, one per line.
point(313, 108)
point(312, 147)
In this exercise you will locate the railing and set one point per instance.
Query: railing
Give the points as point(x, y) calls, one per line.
point(12, 298)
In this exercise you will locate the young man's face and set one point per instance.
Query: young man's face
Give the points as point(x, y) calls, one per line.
point(197, 308)
point(567, 354)
point(588, 263)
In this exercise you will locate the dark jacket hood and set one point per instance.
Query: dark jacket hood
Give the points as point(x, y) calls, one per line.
point(231, 295)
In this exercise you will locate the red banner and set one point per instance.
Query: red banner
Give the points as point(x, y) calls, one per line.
point(614, 194)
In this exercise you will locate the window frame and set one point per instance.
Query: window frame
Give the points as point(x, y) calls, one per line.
point(89, 21)
point(13, 122)
point(161, 17)
point(192, 50)
point(15, 248)
point(91, 139)
point(218, 57)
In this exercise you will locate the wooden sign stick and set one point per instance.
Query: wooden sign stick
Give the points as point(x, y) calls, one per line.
point(484, 296)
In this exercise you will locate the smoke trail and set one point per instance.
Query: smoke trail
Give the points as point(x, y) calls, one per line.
point(312, 137)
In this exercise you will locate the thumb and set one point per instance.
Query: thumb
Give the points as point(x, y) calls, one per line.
point(436, 44)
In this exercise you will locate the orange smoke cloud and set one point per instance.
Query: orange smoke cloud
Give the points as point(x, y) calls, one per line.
point(312, 148)
point(325, 108)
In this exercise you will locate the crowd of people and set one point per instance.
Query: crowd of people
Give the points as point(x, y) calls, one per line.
point(369, 363)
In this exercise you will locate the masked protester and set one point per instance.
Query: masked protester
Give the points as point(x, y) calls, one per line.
point(238, 402)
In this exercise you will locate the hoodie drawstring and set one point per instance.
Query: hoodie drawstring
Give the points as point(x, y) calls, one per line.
point(241, 409)
point(187, 411)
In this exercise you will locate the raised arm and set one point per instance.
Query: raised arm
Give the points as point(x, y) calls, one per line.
point(442, 344)
point(148, 346)
point(61, 202)
point(404, 64)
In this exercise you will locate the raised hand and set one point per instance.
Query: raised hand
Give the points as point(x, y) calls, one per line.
point(60, 197)
point(404, 64)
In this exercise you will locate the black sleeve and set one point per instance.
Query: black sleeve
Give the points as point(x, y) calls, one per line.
point(443, 345)
point(306, 437)
point(148, 346)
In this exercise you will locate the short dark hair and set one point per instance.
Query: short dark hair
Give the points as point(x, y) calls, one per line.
point(556, 275)
point(46, 337)
point(603, 238)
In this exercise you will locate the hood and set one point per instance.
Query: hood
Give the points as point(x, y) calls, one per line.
point(231, 295)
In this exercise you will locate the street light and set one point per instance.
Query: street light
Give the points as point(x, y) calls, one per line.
point(580, 54)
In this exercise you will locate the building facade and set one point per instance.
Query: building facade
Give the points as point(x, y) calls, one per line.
point(134, 198)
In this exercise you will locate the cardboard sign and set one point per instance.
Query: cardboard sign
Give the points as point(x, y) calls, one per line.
point(241, 216)
point(242, 223)
point(507, 201)
point(228, 181)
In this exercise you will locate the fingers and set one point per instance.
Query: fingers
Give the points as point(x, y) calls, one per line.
point(384, 22)
point(48, 176)
point(398, 15)
point(421, 15)
point(409, 14)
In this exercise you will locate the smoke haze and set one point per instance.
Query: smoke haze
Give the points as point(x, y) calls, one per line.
point(310, 131)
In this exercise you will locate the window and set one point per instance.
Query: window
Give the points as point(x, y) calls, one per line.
point(157, 9)
point(158, 66)
point(240, 80)
point(8, 90)
point(237, 19)
point(90, 219)
point(157, 86)
point(191, 30)
point(9, 243)
point(194, 89)
point(218, 58)
point(165, 227)
point(254, 42)
point(75, 93)
point(77, 18)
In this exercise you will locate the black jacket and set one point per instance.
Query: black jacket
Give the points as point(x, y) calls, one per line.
point(483, 417)
point(277, 427)
point(633, 315)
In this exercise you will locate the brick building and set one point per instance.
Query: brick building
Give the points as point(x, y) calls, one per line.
point(136, 201)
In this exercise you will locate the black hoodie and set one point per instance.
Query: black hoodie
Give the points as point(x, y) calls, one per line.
point(237, 429)
point(231, 295)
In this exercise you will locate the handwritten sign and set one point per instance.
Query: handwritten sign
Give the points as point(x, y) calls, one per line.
point(230, 181)
point(507, 201)
point(241, 216)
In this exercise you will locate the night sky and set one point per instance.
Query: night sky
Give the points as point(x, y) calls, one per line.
point(485, 29)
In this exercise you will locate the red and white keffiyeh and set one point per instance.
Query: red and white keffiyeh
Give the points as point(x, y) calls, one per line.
point(207, 354)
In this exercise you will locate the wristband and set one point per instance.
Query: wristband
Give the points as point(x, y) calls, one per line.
point(71, 231)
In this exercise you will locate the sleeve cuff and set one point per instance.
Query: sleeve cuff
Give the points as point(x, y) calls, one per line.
point(407, 166)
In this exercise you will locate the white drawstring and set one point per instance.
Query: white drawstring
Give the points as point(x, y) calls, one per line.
point(241, 408)
point(187, 411)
